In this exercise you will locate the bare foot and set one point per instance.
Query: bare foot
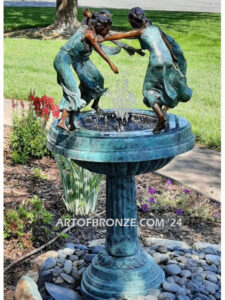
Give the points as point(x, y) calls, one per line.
point(97, 109)
point(62, 125)
point(159, 126)
point(72, 127)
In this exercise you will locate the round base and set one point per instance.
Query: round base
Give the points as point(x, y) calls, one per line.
point(111, 277)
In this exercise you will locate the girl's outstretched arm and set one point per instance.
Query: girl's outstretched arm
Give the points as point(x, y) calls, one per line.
point(90, 36)
point(125, 35)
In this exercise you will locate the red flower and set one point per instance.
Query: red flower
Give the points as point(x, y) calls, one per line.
point(22, 104)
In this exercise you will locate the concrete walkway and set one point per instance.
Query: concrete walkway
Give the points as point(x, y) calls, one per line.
point(198, 169)
point(170, 5)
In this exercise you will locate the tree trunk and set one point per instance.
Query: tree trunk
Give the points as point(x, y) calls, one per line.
point(66, 16)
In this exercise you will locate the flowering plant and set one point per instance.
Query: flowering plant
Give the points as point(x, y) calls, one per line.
point(180, 201)
point(44, 106)
point(28, 136)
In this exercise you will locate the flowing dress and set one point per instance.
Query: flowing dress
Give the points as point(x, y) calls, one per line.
point(164, 82)
point(76, 52)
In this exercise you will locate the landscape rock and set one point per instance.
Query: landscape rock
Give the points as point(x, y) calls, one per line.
point(33, 274)
point(27, 289)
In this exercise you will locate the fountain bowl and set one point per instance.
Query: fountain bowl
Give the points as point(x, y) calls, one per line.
point(132, 152)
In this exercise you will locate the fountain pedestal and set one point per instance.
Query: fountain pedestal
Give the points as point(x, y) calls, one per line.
point(123, 269)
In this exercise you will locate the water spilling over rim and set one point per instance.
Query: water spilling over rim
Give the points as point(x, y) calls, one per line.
point(110, 122)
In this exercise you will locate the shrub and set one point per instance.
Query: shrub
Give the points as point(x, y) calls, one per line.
point(28, 137)
point(79, 185)
point(29, 215)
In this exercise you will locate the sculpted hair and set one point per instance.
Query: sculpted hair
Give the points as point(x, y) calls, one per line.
point(137, 16)
point(100, 20)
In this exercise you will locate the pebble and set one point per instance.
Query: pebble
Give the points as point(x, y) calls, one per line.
point(185, 273)
point(70, 245)
point(97, 249)
point(81, 247)
point(75, 263)
point(198, 277)
point(49, 263)
point(57, 271)
point(212, 259)
point(80, 262)
point(170, 279)
point(74, 272)
point(68, 266)
point(81, 271)
point(160, 258)
point(210, 250)
point(172, 269)
point(171, 287)
point(172, 261)
point(69, 279)
point(59, 280)
point(73, 258)
point(89, 257)
point(201, 297)
point(80, 253)
point(162, 249)
point(68, 251)
point(167, 296)
point(212, 277)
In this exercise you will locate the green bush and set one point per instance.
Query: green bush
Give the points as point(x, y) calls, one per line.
point(28, 216)
point(28, 136)
point(80, 186)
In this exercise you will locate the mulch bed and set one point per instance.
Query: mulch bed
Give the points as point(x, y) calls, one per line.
point(21, 184)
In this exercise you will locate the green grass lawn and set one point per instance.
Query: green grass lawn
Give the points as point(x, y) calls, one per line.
point(28, 63)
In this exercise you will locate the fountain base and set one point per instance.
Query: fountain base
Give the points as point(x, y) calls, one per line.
point(118, 277)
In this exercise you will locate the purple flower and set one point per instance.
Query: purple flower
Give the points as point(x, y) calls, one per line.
point(215, 204)
point(152, 200)
point(152, 191)
point(187, 191)
point(168, 181)
point(145, 207)
point(216, 214)
point(179, 212)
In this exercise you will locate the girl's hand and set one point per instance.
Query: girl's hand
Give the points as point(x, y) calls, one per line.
point(86, 12)
point(99, 39)
point(114, 68)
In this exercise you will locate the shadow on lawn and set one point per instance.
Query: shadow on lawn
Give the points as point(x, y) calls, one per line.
point(29, 17)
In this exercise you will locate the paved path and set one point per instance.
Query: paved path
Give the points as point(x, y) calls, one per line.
point(172, 5)
point(199, 169)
